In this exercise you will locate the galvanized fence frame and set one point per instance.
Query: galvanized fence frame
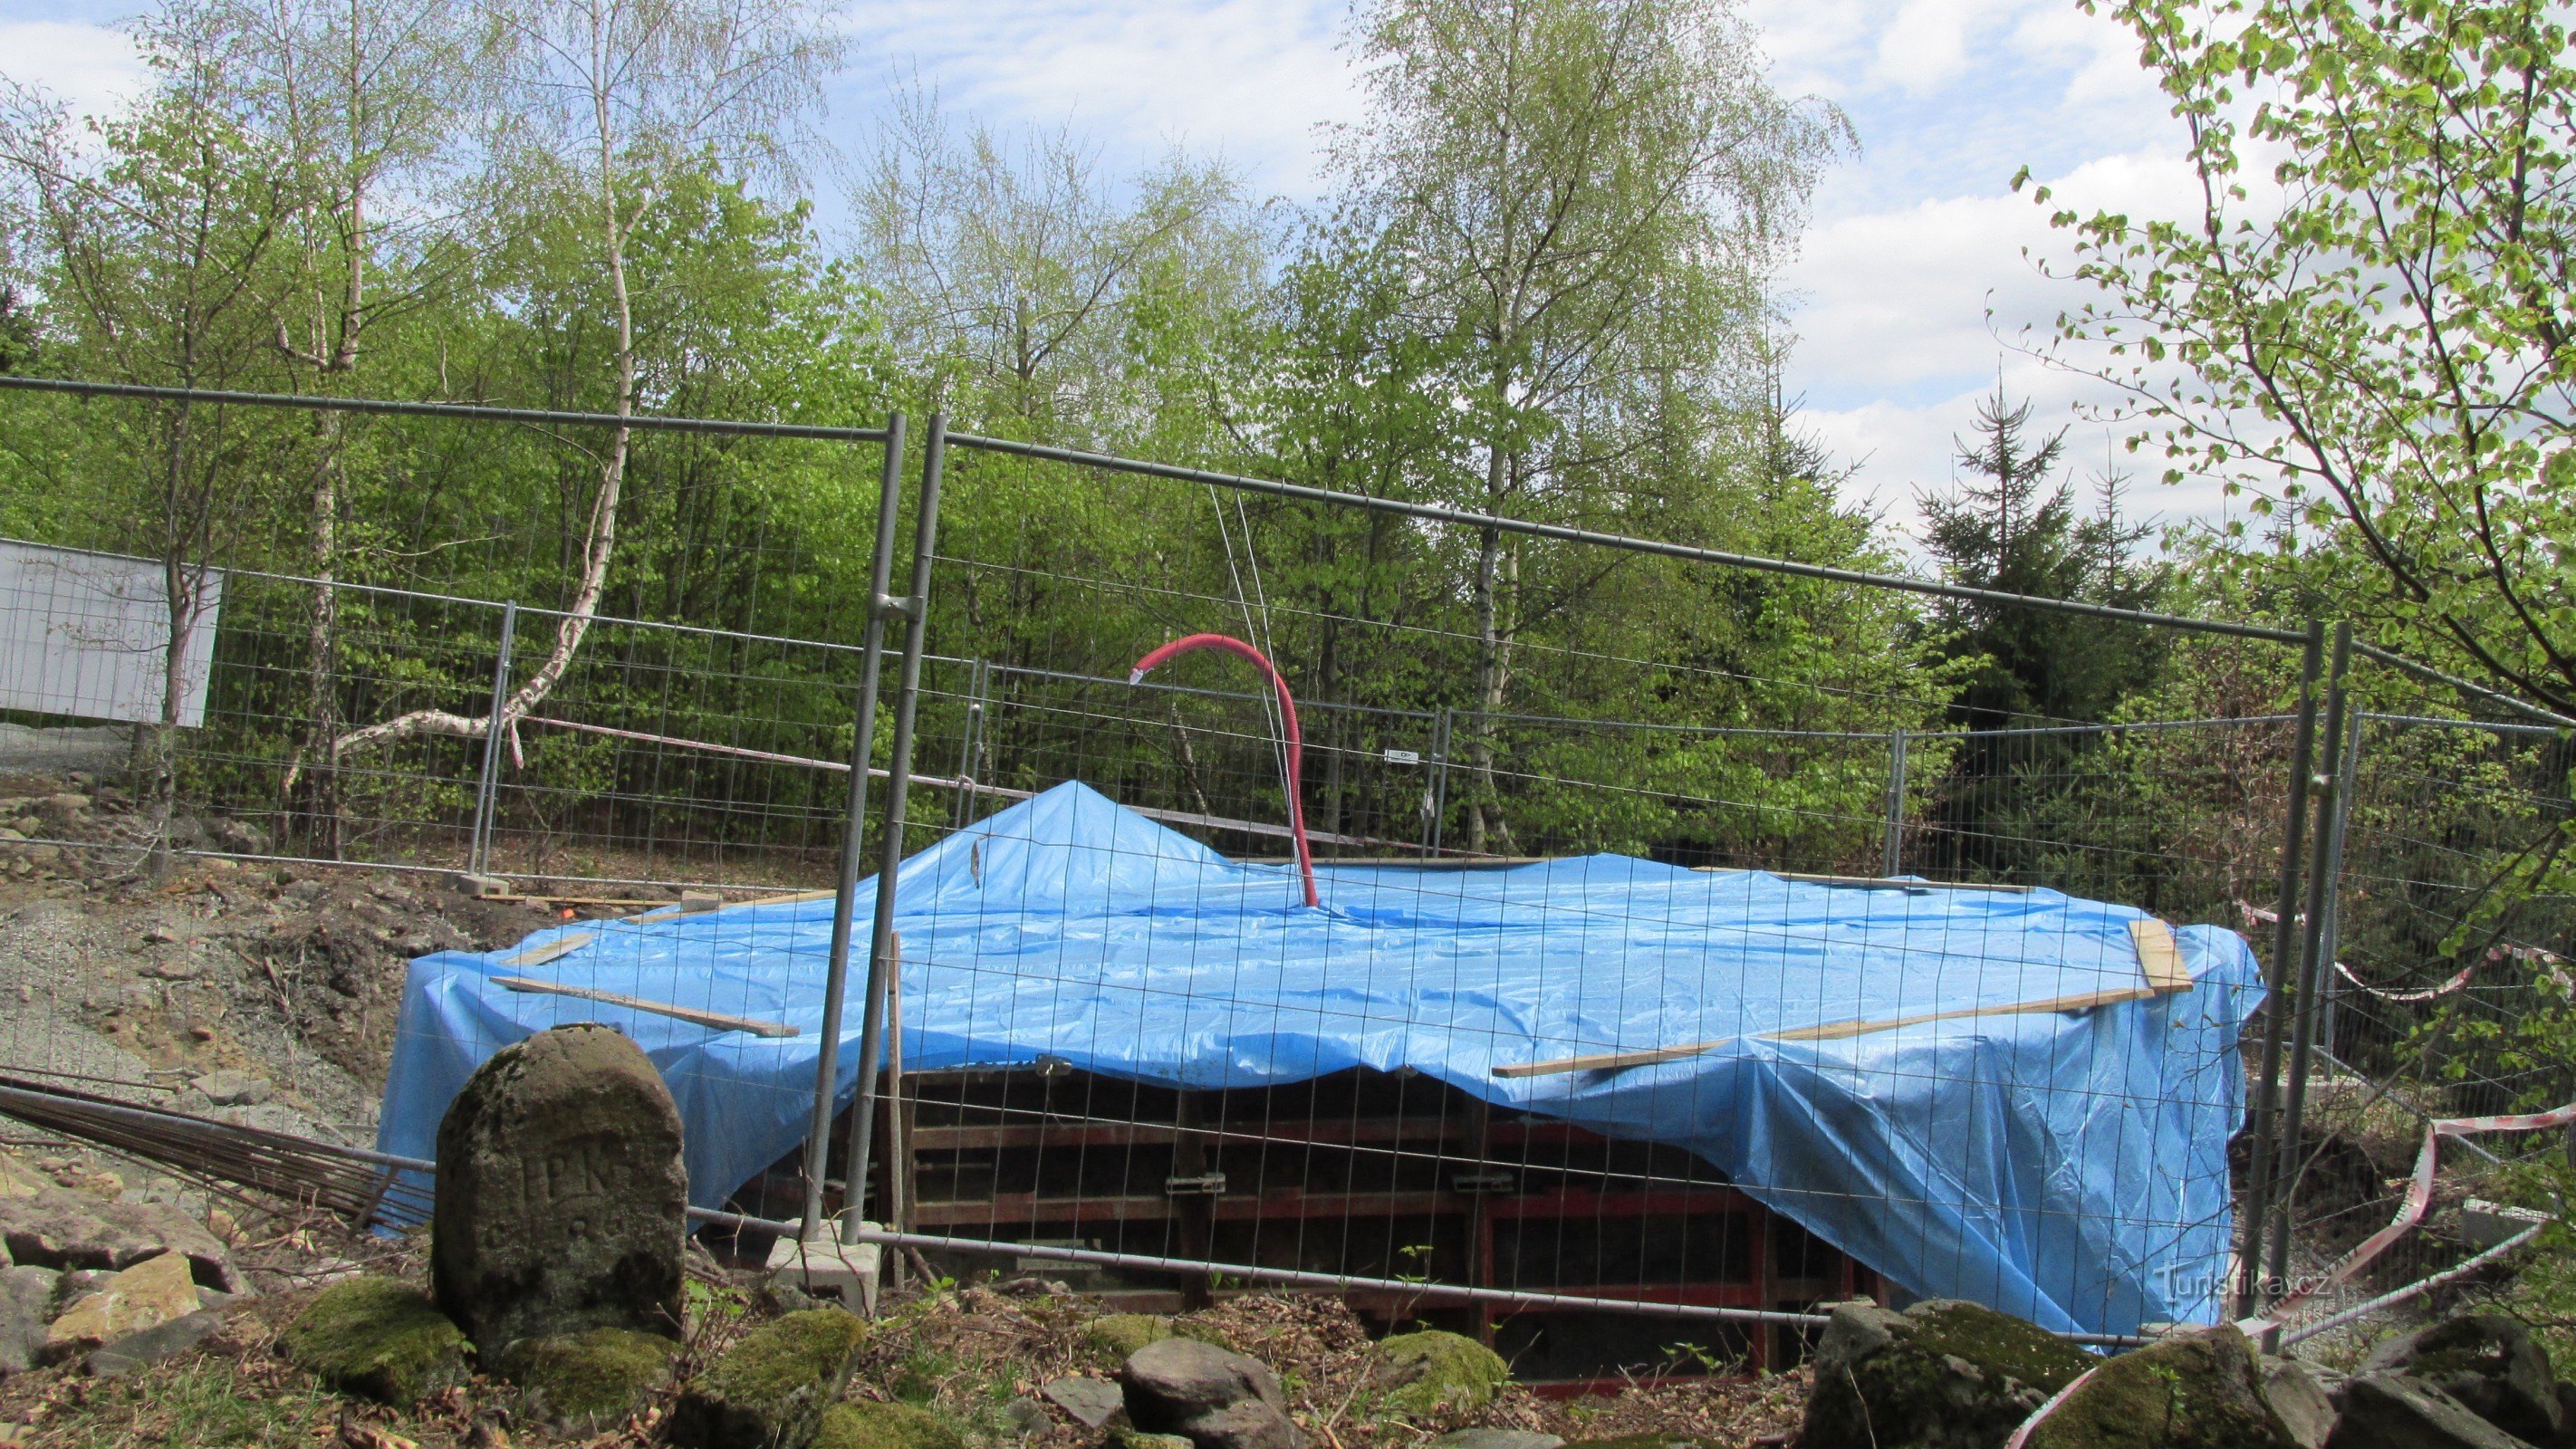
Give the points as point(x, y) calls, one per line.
point(2313, 830)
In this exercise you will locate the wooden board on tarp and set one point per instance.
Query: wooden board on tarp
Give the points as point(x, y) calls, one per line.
point(555, 949)
point(712, 1019)
point(2159, 961)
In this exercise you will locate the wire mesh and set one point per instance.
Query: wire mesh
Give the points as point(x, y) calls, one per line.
point(1447, 739)
point(1385, 1171)
point(2443, 996)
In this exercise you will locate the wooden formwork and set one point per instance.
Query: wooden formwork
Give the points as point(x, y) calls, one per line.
point(1360, 1173)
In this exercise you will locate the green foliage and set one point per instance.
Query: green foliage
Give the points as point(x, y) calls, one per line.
point(2364, 330)
point(2018, 533)
point(1014, 283)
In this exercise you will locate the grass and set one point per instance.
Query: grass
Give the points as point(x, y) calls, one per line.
point(198, 1403)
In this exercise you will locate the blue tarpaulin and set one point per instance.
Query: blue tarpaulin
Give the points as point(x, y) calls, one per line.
point(2068, 1166)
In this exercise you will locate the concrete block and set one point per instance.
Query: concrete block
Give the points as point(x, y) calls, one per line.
point(2484, 1224)
point(826, 1265)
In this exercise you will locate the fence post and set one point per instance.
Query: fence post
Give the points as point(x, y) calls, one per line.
point(969, 737)
point(2257, 1209)
point(2347, 786)
point(2317, 933)
point(1895, 847)
point(1439, 778)
point(915, 611)
point(836, 975)
point(478, 846)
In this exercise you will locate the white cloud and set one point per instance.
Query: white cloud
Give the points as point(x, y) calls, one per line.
point(1245, 79)
point(1925, 46)
point(91, 68)
point(1907, 449)
point(1916, 289)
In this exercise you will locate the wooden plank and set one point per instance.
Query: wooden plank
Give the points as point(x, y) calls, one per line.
point(547, 900)
point(2159, 956)
point(690, 1014)
point(1845, 1030)
point(690, 903)
point(1840, 1030)
point(694, 902)
point(1866, 882)
point(539, 955)
point(1610, 1061)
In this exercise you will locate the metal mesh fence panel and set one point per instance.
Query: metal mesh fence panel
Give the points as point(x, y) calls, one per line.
point(1781, 991)
point(2442, 997)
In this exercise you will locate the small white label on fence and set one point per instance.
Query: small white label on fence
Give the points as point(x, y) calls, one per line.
point(1404, 757)
point(88, 634)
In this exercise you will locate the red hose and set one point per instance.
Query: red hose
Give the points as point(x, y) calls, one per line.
point(1287, 712)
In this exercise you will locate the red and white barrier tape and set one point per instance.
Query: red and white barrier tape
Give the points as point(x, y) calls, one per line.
point(2424, 993)
point(2021, 1436)
point(2548, 960)
point(2419, 1200)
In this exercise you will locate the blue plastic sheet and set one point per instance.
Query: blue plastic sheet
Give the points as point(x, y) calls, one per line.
point(2066, 1166)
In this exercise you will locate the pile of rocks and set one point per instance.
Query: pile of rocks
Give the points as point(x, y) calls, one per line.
point(80, 807)
point(1950, 1375)
point(2476, 1381)
point(107, 1283)
point(34, 817)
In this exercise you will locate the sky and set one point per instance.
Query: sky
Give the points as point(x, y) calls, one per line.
point(1910, 299)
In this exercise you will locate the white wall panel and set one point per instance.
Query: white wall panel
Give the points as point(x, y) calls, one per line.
point(87, 634)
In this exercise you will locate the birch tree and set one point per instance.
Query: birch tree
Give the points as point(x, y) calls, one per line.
point(361, 101)
point(1014, 267)
point(154, 239)
point(1590, 196)
point(600, 101)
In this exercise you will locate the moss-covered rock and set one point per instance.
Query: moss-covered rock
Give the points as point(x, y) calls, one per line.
point(2486, 1361)
point(1418, 1375)
point(1644, 1441)
point(585, 1382)
point(884, 1426)
point(769, 1390)
point(2191, 1391)
point(1122, 1437)
point(1941, 1375)
point(379, 1338)
point(1109, 1339)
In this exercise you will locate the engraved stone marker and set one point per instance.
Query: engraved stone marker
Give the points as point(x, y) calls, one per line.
point(562, 1205)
